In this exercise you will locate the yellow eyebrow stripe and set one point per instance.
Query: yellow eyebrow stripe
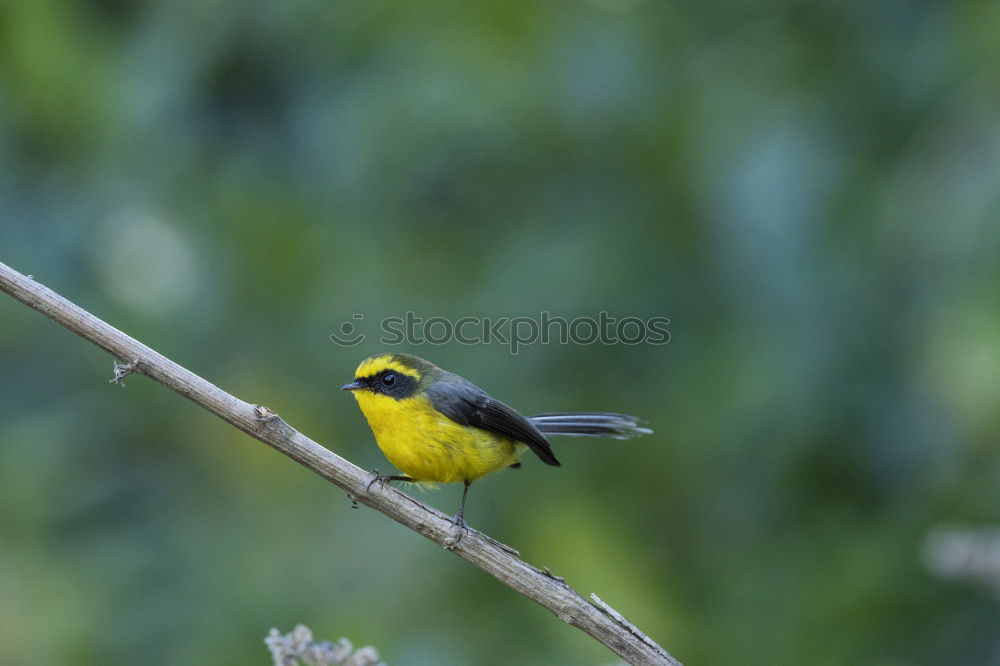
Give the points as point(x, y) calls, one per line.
point(373, 366)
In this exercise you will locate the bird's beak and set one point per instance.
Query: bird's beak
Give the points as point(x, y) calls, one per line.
point(356, 385)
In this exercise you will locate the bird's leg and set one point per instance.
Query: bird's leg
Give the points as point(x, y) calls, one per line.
point(459, 519)
point(383, 479)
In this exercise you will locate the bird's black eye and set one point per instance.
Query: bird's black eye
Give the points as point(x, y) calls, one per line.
point(389, 379)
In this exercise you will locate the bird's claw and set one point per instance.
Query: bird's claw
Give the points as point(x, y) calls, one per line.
point(451, 543)
point(458, 522)
point(377, 477)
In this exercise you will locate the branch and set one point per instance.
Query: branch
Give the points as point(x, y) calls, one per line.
point(597, 619)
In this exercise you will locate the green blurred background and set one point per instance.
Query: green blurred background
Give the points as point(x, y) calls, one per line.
point(810, 191)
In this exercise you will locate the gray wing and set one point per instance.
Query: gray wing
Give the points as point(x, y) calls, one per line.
point(466, 404)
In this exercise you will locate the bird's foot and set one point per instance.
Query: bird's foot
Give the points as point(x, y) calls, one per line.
point(377, 477)
point(458, 522)
point(382, 479)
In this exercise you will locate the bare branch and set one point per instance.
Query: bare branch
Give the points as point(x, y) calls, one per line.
point(600, 621)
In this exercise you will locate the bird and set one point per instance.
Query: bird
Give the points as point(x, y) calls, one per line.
point(437, 427)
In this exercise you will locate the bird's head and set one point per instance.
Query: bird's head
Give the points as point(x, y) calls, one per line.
point(395, 376)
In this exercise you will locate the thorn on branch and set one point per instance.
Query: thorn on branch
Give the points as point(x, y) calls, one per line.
point(122, 370)
point(265, 414)
point(548, 573)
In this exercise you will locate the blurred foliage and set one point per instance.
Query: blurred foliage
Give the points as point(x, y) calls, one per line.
point(808, 190)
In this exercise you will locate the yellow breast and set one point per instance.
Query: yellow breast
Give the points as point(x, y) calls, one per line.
point(428, 446)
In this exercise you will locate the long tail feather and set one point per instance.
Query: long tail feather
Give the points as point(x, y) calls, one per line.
point(589, 424)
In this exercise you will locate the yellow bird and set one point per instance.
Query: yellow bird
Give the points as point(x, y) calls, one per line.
point(437, 427)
